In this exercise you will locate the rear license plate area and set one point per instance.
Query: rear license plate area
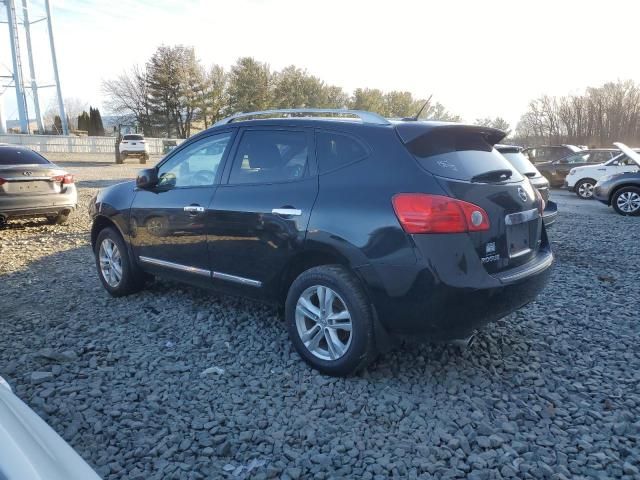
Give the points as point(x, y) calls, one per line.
point(518, 240)
point(521, 232)
point(28, 187)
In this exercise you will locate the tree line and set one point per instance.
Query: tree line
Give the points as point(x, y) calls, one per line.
point(173, 94)
point(599, 117)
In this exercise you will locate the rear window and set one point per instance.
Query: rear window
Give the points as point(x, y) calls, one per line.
point(133, 137)
point(457, 155)
point(21, 156)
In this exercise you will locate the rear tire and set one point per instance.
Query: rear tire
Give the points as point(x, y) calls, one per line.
point(118, 273)
point(58, 219)
point(584, 188)
point(120, 158)
point(334, 336)
point(626, 201)
point(144, 158)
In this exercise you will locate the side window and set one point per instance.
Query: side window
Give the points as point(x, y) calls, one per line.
point(336, 150)
point(196, 165)
point(579, 158)
point(270, 156)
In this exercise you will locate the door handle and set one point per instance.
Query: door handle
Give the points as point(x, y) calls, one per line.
point(288, 212)
point(194, 209)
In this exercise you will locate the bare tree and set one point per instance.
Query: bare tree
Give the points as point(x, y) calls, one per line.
point(128, 97)
point(599, 117)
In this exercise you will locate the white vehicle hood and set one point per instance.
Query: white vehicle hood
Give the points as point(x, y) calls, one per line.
point(31, 450)
point(635, 156)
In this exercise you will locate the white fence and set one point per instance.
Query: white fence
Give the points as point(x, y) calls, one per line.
point(71, 144)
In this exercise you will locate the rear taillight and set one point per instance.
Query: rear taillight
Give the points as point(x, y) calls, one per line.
point(2, 181)
point(422, 213)
point(64, 179)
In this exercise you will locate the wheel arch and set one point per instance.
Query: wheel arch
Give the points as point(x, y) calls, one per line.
point(100, 223)
point(305, 260)
point(617, 188)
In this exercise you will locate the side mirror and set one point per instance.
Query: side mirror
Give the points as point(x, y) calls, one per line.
point(147, 178)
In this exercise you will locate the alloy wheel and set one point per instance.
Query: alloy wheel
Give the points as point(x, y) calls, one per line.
point(585, 190)
point(323, 322)
point(628, 202)
point(110, 262)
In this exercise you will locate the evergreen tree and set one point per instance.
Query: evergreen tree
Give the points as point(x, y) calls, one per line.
point(84, 122)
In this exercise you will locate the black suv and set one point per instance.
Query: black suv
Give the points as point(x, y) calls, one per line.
point(366, 230)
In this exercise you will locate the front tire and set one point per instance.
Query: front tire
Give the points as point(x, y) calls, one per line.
point(117, 272)
point(584, 188)
point(330, 321)
point(626, 201)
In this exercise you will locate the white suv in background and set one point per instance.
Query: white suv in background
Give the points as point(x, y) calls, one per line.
point(133, 145)
point(581, 180)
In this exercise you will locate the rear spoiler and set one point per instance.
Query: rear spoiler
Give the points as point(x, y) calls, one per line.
point(409, 131)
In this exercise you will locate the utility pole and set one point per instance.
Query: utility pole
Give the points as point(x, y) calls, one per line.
point(3, 128)
point(63, 114)
point(14, 40)
point(32, 71)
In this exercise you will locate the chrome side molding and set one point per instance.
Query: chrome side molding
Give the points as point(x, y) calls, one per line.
point(201, 271)
point(175, 266)
point(237, 279)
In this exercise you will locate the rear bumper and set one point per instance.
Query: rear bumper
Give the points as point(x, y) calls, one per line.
point(419, 301)
point(38, 205)
point(134, 152)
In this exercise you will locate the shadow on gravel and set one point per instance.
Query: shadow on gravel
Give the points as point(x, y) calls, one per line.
point(83, 164)
point(175, 366)
point(100, 183)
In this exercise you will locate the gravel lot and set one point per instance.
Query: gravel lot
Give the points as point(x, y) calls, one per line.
point(176, 382)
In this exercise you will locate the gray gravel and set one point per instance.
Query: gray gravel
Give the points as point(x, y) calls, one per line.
point(176, 382)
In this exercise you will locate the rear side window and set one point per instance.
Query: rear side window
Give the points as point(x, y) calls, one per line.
point(133, 137)
point(335, 150)
point(459, 155)
point(21, 156)
point(270, 156)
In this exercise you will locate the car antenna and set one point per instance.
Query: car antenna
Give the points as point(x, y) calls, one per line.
point(417, 115)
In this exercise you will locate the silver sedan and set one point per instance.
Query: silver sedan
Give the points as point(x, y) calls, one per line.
point(32, 186)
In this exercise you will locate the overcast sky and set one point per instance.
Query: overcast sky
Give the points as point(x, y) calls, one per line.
point(478, 58)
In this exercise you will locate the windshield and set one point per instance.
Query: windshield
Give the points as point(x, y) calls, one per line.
point(520, 162)
point(21, 156)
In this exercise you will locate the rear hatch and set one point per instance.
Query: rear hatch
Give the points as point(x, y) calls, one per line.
point(468, 168)
point(24, 172)
point(31, 180)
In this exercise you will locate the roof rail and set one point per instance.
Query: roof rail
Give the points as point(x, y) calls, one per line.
point(365, 117)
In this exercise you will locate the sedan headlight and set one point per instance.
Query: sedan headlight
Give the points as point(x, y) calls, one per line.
point(572, 171)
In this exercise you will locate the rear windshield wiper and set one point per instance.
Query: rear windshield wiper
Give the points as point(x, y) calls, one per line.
point(493, 176)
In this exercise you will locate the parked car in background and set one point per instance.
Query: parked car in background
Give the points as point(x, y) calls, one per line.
point(525, 167)
point(622, 190)
point(302, 211)
point(133, 145)
point(557, 170)
point(582, 180)
point(32, 186)
point(30, 449)
point(549, 153)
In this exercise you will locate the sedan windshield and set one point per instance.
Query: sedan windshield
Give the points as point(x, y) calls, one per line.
point(20, 156)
